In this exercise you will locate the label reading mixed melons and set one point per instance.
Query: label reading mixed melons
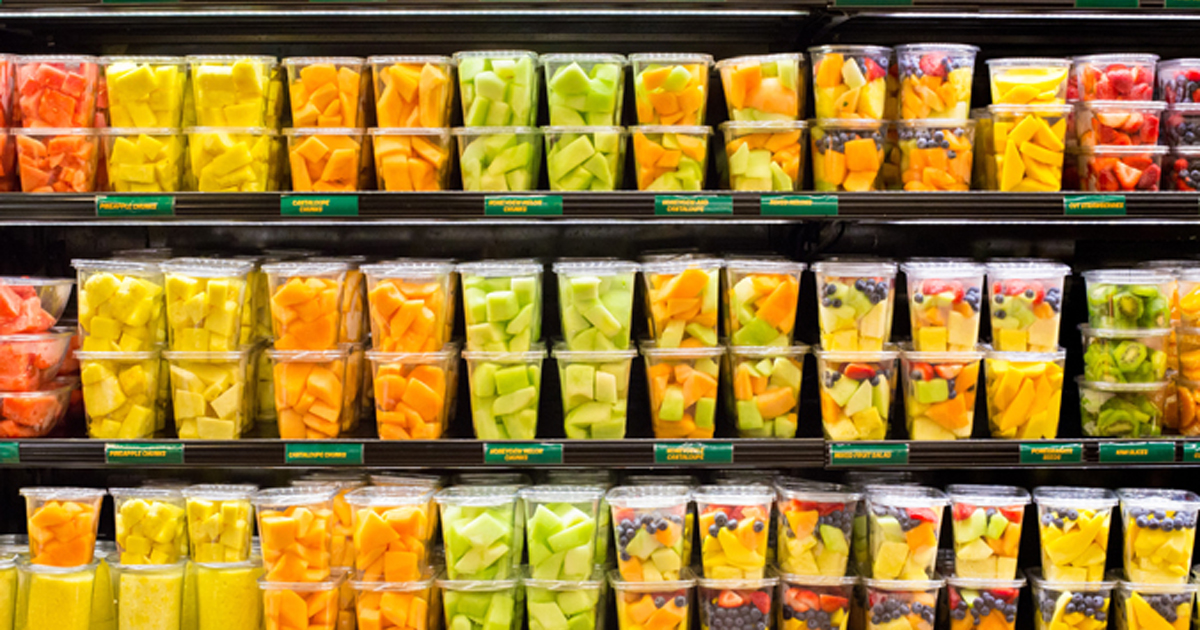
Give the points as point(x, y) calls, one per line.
point(690, 453)
point(672, 205)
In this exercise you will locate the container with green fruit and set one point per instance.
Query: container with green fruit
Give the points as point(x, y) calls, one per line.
point(1122, 409)
point(670, 88)
point(585, 88)
point(499, 159)
point(482, 605)
point(585, 158)
point(502, 304)
point(595, 392)
point(670, 158)
point(1128, 299)
point(604, 479)
point(766, 389)
point(1124, 356)
point(595, 300)
point(560, 529)
point(479, 532)
point(654, 531)
point(505, 388)
point(765, 87)
point(761, 297)
point(499, 88)
point(565, 605)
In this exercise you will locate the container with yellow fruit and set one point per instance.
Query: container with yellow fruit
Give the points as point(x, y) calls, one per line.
point(1073, 525)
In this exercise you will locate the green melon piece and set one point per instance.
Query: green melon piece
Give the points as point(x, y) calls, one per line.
point(477, 116)
point(785, 373)
point(671, 409)
point(612, 430)
point(500, 613)
point(706, 413)
point(577, 562)
point(576, 602)
point(514, 402)
point(579, 535)
point(586, 621)
point(521, 322)
point(538, 551)
point(677, 79)
point(606, 389)
point(706, 334)
point(707, 366)
point(642, 544)
point(570, 80)
point(755, 332)
point(930, 392)
point(784, 428)
point(748, 416)
point(502, 306)
point(483, 381)
point(510, 379)
point(588, 414)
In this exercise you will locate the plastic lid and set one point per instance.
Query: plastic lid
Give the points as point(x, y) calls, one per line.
point(156, 494)
point(687, 580)
point(865, 269)
point(591, 356)
point(1127, 587)
point(649, 349)
point(1030, 62)
point(64, 493)
point(284, 497)
point(500, 268)
point(492, 479)
point(410, 479)
point(595, 267)
point(734, 495)
point(936, 47)
point(1158, 498)
point(58, 333)
point(308, 356)
point(1066, 496)
point(818, 580)
point(904, 586)
point(942, 269)
point(1123, 333)
point(1026, 357)
point(694, 130)
point(448, 351)
point(174, 567)
point(1044, 109)
point(390, 495)
point(303, 587)
point(55, 59)
point(1035, 578)
point(1118, 150)
point(125, 267)
point(478, 496)
point(748, 59)
point(687, 481)
point(29, 281)
point(325, 131)
point(979, 584)
point(649, 497)
point(120, 357)
point(422, 584)
point(739, 264)
point(220, 492)
point(207, 356)
point(537, 352)
point(737, 585)
point(764, 126)
point(390, 59)
point(26, 566)
point(987, 496)
point(562, 494)
point(938, 123)
point(1122, 58)
point(477, 586)
point(208, 267)
point(671, 58)
point(407, 270)
point(889, 353)
point(907, 496)
point(305, 269)
point(594, 582)
point(765, 352)
point(584, 58)
point(1025, 269)
point(847, 123)
point(244, 131)
point(680, 265)
point(490, 131)
point(1104, 386)
point(337, 61)
point(922, 356)
point(1127, 276)
point(231, 59)
point(850, 50)
point(1124, 105)
point(1171, 63)
point(816, 491)
point(139, 131)
point(494, 54)
point(58, 387)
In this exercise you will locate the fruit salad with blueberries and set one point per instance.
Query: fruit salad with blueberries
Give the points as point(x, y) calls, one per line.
point(944, 303)
point(855, 304)
point(816, 524)
point(1026, 305)
point(1181, 125)
point(1144, 606)
point(987, 530)
point(856, 393)
point(935, 80)
point(652, 527)
point(893, 604)
point(1159, 534)
point(1073, 527)
point(1070, 610)
point(939, 393)
point(733, 523)
point(1183, 169)
point(821, 604)
point(736, 604)
point(991, 604)
point(936, 155)
point(904, 525)
point(850, 81)
point(847, 155)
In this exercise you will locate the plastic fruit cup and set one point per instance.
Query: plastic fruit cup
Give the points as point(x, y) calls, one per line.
point(560, 604)
point(683, 389)
point(761, 301)
point(1181, 125)
point(1050, 599)
point(1182, 167)
point(935, 80)
point(1117, 77)
point(1030, 141)
point(505, 389)
point(683, 297)
point(230, 90)
point(396, 605)
point(585, 158)
point(585, 89)
point(763, 156)
point(35, 413)
point(847, 154)
point(944, 300)
point(151, 528)
point(595, 392)
point(32, 361)
point(1152, 605)
point(1119, 123)
point(939, 393)
point(670, 88)
point(766, 389)
point(48, 511)
point(56, 90)
point(486, 604)
point(341, 546)
point(391, 532)
point(499, 159)
point(988, 602)
point(309, 392)
point(904, 525)
point(145, 92)
point(8, 586)
point(850, 81)
point(936, 154)
point(1125, 356)
point(1127, 299)
point(230, 159)
point(1026, 80)
point(46, 297)
point(208, 390)
point(326, 159)
point(1024, 393)
point(412, 159)
point(802, 597)
point(57, 597)
point(1187, 392)
point(637, 602)
point(287, 556)
point(414, 392)
point(765, 87)
point(857, 390)
point(1121, 169)
point(1178, 81)
point(146, 594)
point(220, 520)
point(470, 510)
point(855, 304)
point(356, 391)
point(654, 530)
point(57, 160)
point(1189, 353)
point(306, 304)
point(670, 158)
point(498, 87)
point(987, 530)
point(596, 303)
point(205, 298)
point(1122, 409)
point(227, 595)
point(120, 393)
point(889, 172)
point(731, 599)
point(915, 601)
point(327, 91)
point(502, 304)
point(983, 175)
point(1087, 514)
point(815, 525)
point(412, 91)
point(1159, 529)
point(7, 116)
point(1025, 304)
point(733, 530)
point(603, 479)
point(409, 305)
point(561, 524)
point(144, 160)
point(8, 163)
point(314, 601)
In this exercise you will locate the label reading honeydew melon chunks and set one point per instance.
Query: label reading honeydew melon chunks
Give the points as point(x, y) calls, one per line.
point(595, 399)
point(587, 161)
point(499, 163)
point(120, 398)
point(504, 400)
point(150, 532)
point(120, 313)
point(562, 610)
point(230, 95)
point(502, 314)
point(219, 531)
point(203, 314)
point(479, 542)
point(597, 311)
point(498, 92)
point(208, 399)
point(561, 540)
point(579, 98)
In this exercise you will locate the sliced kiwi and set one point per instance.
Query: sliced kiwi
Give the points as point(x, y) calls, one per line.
point(1127, 306)
point(1129, 355)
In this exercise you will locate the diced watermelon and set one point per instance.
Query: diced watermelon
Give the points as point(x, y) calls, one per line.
point(30, 411)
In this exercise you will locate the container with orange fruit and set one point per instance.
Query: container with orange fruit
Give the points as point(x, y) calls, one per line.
point(765, 87)
point(766, 389)
point(935, 80)
point(327, 91)
point(306, 304)
point(411, 160)
point(396, 605)
point(341, 545)
point(670, 159)
point(683, 298)
point(764, 156)
point(312, 605)
point(310, 392)
point(392, 530)
point(850, 81)
point(760, 300)
point(670, 88)
point(1028, 142)
point(294, 527)
point(62, 525)
point(847, 154)
point(414, 392)
point(983, 604)
point(412, 91)
point(936, 154)
point(326, 159)
point(894, 604)
point(408, 305)
point(683, 389)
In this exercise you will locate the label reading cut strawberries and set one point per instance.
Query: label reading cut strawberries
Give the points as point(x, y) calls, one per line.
point(1094, 205)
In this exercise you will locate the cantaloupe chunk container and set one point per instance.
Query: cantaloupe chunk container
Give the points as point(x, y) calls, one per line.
point(851, 81)
point(502, 304)
point(764, 156)
point(761, 297)
point(560, 525)
point(392, 530)
point(56, 597)
point(205, 299)
point(566, 603)
point(499, 88)
point(295, 528)
point(220, 519)
point(121, 393)
point(310, 397)
point(208, 391)
point(595, 392)
point(9, 181)
point(327, 91)
point(412, 159)
point(413, 90)
point(765, 400)
point(683, 390)
point(148, 596)
point(306, 304)
point(585, 158)
point(357, 389)
point(326, 159)
point(1025, 80)
point(231, 90)
point(637, 602)
point(683, 296)
point(765, 87)
point(734, 520)
point(1070, 519)
point(1028, 142)
point(288, 605)
point(56, 90)
point(1024, 393)
point(483, 605)
point(354, 297)
point(670, 158)
point(145, 92)
point(150, 526)
point(470, 510)
point(905, 522)
point(499, 159)
point(57, 160)
point(341, 546)
point(230, 159)
point(1138, 606)
point(396, 605)
point(585, 89)
point(505, 390)
point(670, 88)
point(227, 595)
point(409, 304)
point(144, 160)
point(414, 392)
point(62, 523)
point(847, 154)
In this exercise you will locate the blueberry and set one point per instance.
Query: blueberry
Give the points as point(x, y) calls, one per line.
point(680, 601)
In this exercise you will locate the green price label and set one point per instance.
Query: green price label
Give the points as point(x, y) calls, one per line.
point(1094, 205)
point(851, 454)
point(318, 205)
point(694, 453)
point(323, 454)
point(673, 205)
point(10, 453)
point(1191, 451)
point(132, 454)
point(1182, 4)
point(798, 206)
point(1137, 452)
point(507, 453)
point(529, 206)
point(1037, 453)
point(137, 1)
point(135, 206)
point(1106, 4)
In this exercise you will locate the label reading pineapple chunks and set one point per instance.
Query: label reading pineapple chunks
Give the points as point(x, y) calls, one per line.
point(1094, 205)
point(10, 453)
point(672, 205)
point(1191, 451)
point(323, 454)
point(1137, 452)
point(1038, 453)
point(1106, 4)
point(528, 206)
point(798, 206)
point(135, 206)
point(690, 453)
point(318, 205)
point(850, 454)
point(142, 454)
point(506, 453)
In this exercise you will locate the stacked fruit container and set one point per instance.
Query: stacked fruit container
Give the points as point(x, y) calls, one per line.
point(225, 569)
point(1179, 88)
point(149, 567)
point(60, 570)
point(670, 143)
point(1027, 124)
point(564, 584)
point(327, 143)
point(144, 143)
point(1184, 354)
point(411, 141)
point(499, 146)
point(33, 397)
point(764, 137)
point(295, 527)
point(57, 143)
point(585, 144)
point(1117, 123)
point(984, 586)
point(814, 533)
point(904, 523)
point(850, 85)
point(935, 134)
point(653, 530)
point(8, 146)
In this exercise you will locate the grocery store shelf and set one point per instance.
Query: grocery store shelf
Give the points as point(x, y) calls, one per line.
point(994, 453)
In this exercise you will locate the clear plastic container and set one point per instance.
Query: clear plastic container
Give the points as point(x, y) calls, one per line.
point(227, 595)
point(8, 589)
point(341, 545)
point(47, 299)
point(418, 599)
point(499, 159)
point(827, 599)
point(637, 602)
point(1051, 600)
point(733, 530)
point(855, 304)
point(1122, 409)
point(472, 602)
point(683, 389)
point(1084, 514)
point(765, 87)
point(935, 80)
point(57, 159)
point(412, 159)
point(1186, 392)
point(585, 158)
point(287, 556)
point(766, 389)
point(646, 551)
point(596, 303)
point(595, 392)
point(850, 81)
point(1159, 529)
point(585, 89)
point(36, 413)
point(936, 154)
point(1121, 169)
point(1178, 80)
point(670, 158)
point(8, 159)
point(1181, 125)
point(502, 304)
point(410, 305)
point(1118, 123)
point(56, 597)
point(505, 389)
point(905, 522)
point(56, 90)
point(220, 519)
point(560, 525)
point(987, 524)
point(559, 604)
point(847, 154)
point(1115, 77)
point(392, 530)
point(310, 392)
point(915, 601)
point(1028, 142)
point(480, 530)
point(205, 298)
point(1026, 80)
point(121, 393)
point(144, 160)
point(763, 156)
point(7, 116)
point(413, 90)
point(306, 304)
point(1152, 605)
point(683, 301)
point(761, 300)
point(314, 601)
point(983, 602)
point(815, 527)
point(48, 510)
point(737, 599)
point(327, 159)
point(144, 91)
point(230, 159)
point(327, 91)
point(1125, 356)
point(32, 361)
point(148, 596)
point(939, 393)
point(857, 390)
point(670, 88)
point(1024, 393)
point(498, 87)
point(151, 528)
point(209, 390)
point(945, 299)
point(1026, 304)
point(1125, 299)
point(414, 392)
point(231, 90)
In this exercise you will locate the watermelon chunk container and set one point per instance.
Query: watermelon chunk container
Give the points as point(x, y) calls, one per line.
point(209, 392)
point(499, 159)
point(9, 180)
point(553, 604)
point(502, 304)
point(56, 90)
point(231, 90)
point(939, 393)
point(145, 91)
point(481, 532)
point(847, 154)
point(683, 297)
point(205, 300)
point(1141, 605)
point(36, 413)
point(280, 511)
point(683, 386)
point(823, 598)
point(752, 599)
point(936, 80)
point(561, 523)
point(57, 597)
point(386, 516)
point(1087, 512)
point(483, 604)
point(762, 88)
point(637, 602)
point(585, 158)
point(1026, 80)
point(414, 601)
point(412, 159)
point(1178, 80)
point(595, 392)
point(310, 392)
point(851, 81)
point(144, 160)
point(1099, 77)
point(585, 89)
point(412, 90)
point(32, 305)
point(327, 91)
point(646, 550)
point(306, 303)
point(761, 298)
point(505, 390)
point(595, 300)
point(499, 88)
point(47, 510)
point(327, 159)
point(1157, 526)
point(816, 521)
point(670, 158)
point(232, 159)
point(734, 524)
point(765, 381)
point(121, 393)
point(208, 533)
point(944, 300)
point(915, 601)
point(1030, 295)
point(1050, 599)
point(57, 160)
point(670, 89)
point(905, 522)
point(286, 601)
point(763, 156)
point(421, 413)
point(991, 602)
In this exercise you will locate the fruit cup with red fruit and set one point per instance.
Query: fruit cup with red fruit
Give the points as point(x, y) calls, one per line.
point(736, 603)
point(936, 154)
point(733, 530)
point(939, 393)
point(905, 522)
point(815, 602)
point(653, 530)
point(855, 304)
point(1182, 169)
point(1121, 169)
point(896, 604)
point(987, 530)
point(1118, 123)
point(983, 604)
point(850, 81)
point(816, 522)
point(1179, 81)
point(1026, 304)
point(1117, 77)
point(935, 80)
point(944, 300)
point(856, 393)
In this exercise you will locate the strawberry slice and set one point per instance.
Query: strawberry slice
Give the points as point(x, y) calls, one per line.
point(934, 287)
point(1142, 76)
point(1127, 175)
point(1014, 515)
point(833, 603)
point(761, 601)
point(1150, 178)
point(873, 70)
point(932, 66)
point(1121, 79)
point(921, 371)
point(962, 511)
point(1014, 287)
point(947, 371)
point(808, 599)
point(858, 371)
point(1192, 74)
point(922, 514)
point(955, 598)
point(1104, 89)
point(825, 509)
point(1006, 594)
point(1149, 131)
point(1106, 181)
point(729, 599)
